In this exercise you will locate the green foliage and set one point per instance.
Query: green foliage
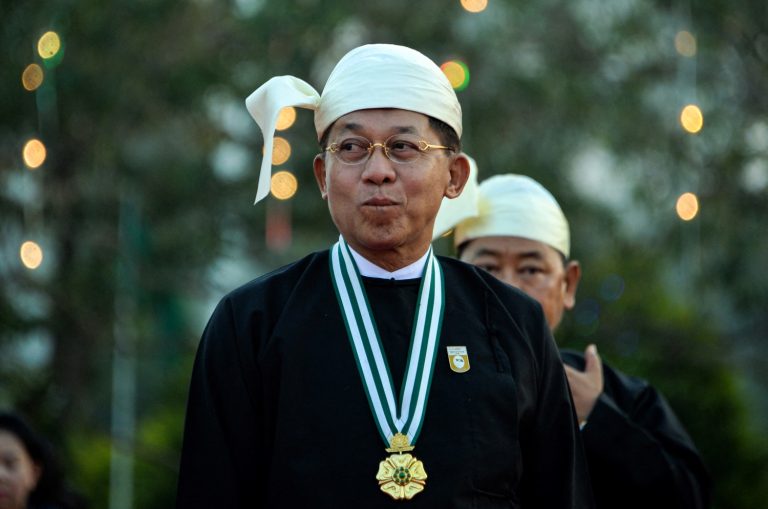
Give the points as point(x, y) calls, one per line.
point(157, 460)
point(90, 465)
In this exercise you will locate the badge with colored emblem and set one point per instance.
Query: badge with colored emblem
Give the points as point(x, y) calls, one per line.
point(458, 359)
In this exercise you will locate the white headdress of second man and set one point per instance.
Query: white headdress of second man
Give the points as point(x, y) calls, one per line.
point(506, 205)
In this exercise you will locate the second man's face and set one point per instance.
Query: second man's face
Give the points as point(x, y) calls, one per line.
point(534, 267)
point(381, 205)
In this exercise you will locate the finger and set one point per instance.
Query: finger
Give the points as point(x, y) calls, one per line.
point(591, 359)
point(593, 364)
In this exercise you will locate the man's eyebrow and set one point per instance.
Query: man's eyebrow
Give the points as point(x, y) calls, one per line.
point(532, 254)
point(350, 126)
point(354, 127)
point(485, 252)
point(407, 129)
point(535, 254)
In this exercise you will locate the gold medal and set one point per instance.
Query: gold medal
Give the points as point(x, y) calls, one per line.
point(401, 476)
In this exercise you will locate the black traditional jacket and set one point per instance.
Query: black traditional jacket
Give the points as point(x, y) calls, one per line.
point(277, 415)
point(639, 454)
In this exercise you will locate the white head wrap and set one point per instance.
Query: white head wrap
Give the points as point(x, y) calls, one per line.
point(370, 76)
point(509, 206)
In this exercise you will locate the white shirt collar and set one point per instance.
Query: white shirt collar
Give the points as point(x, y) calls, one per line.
point(369, 269)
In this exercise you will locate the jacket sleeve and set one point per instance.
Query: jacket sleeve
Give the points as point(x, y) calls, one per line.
point(219, 459)
point(639, 451)
point(554, 465)
point(556, 472)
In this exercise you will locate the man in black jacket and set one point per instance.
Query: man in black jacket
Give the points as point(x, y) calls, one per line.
point(638, 452)
point(376, 374)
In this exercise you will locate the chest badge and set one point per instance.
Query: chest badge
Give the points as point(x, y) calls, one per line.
point(458, 359)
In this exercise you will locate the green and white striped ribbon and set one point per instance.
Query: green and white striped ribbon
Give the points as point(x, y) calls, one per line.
point(369, 353)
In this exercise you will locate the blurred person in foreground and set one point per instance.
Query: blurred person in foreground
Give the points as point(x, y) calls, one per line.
point(639, 454)
point(30, 477)
point(376, 374)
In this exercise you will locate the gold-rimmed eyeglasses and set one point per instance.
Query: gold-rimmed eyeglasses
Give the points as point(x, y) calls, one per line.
point(399, 148)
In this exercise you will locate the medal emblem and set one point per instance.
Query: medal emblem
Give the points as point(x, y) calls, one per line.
point(401, 476)
point(458, 359)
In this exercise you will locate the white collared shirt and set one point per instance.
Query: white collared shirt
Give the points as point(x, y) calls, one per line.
point(370, 269)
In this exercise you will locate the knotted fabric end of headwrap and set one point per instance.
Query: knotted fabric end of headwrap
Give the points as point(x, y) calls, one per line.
point(265, 105)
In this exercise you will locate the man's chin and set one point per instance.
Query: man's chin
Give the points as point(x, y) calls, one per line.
point(382, 242)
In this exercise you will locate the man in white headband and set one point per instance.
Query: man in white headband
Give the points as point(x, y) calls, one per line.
point(374, 374)
point(639, 454)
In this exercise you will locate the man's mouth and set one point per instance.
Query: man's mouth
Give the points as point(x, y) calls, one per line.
point(379, 201)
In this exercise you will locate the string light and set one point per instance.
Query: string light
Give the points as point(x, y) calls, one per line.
point(474, 6)
point(32, 77)
point(685, 43)
point(692, 119)
point(687, 206)
point(284, 185)
point(31, 254)
point(286, 118)
point(281, 151)
point(34, 153)
point(457, 73)
point(48, 45)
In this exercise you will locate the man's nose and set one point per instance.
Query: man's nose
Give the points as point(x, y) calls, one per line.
point(509, 276)
point(378, 168)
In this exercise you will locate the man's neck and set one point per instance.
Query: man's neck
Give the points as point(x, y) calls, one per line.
point(382, 267)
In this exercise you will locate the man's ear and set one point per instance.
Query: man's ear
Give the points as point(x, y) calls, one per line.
point(571, 281)
point(37, 473)
point(459, 171)
point(318, 166)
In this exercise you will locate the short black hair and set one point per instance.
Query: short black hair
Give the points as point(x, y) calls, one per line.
point(446, 134)
point(36, 446)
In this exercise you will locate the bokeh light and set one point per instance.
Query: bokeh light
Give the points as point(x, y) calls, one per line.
point(587, 315)
point(31, 254)
point(692, 119)
point(687, 206)
point(281, 151)
point(685, 43)
point(457, 73)
point(286, 118)
point(34, 153)
point(284, 185)
point(48, 45)
point(612, 287)
point(474, 5)
point(32, 77)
